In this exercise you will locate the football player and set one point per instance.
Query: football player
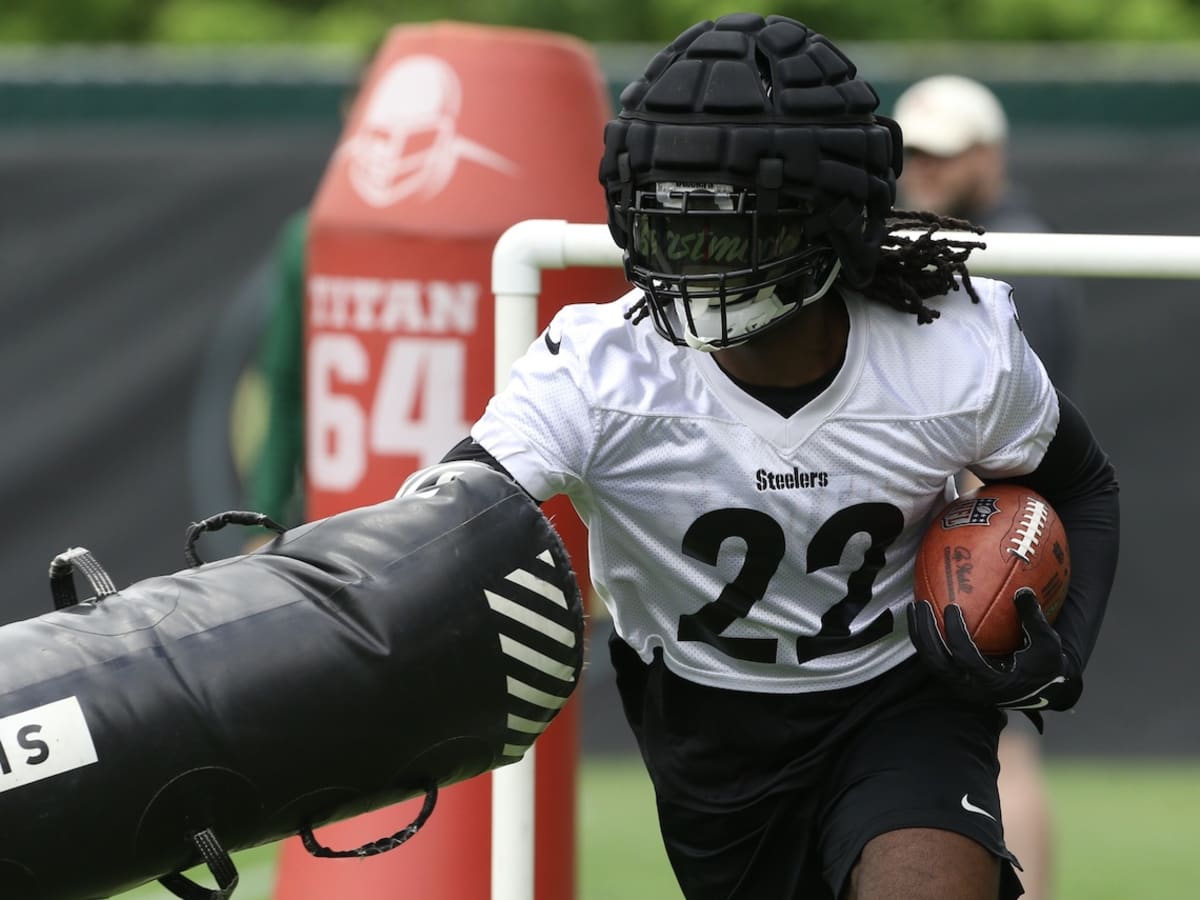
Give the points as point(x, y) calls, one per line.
point(757, 437)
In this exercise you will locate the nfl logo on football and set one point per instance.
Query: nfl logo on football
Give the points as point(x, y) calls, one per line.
point(970, 511)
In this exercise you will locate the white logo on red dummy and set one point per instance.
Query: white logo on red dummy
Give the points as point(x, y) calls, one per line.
point(407, 143)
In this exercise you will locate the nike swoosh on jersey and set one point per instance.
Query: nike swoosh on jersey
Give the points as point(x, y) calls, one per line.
point(553, 346)
point(971, 807)
point(1041, 702)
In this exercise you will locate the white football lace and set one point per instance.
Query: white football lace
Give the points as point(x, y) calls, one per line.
point(1030, 530)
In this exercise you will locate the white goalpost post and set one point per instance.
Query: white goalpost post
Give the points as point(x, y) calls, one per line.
point(528, 247)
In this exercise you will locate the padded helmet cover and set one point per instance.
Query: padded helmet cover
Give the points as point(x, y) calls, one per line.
point(769, 106)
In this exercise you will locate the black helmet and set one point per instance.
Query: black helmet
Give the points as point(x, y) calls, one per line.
point(747, 158)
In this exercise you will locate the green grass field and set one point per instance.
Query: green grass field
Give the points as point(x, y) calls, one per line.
point(1125, 831)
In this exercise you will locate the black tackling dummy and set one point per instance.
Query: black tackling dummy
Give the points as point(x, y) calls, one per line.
point(351, 663)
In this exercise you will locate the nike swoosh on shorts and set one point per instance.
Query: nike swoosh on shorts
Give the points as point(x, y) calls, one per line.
point(971, 807)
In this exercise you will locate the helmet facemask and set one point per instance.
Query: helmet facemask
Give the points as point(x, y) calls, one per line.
point(716, 269)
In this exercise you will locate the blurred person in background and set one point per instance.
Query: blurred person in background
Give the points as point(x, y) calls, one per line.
point(275, 481)
point(955, 141)
point(246, 430)
point(956, 164)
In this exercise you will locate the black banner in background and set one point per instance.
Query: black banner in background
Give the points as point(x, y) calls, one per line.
point(130, 295)
point(120, 254)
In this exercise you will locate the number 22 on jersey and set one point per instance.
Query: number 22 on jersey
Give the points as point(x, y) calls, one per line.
point(766, 544)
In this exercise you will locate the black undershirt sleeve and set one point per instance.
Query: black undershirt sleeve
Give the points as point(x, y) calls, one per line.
point(468, 450)
point(1078, 480)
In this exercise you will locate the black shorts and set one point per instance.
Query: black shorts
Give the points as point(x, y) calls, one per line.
point(773, 796)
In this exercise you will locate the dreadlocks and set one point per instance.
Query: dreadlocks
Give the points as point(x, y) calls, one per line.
point(910, 269)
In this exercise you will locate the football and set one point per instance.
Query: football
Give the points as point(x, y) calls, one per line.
point(984, 547)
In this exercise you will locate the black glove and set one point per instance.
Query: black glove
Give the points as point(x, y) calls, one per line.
point(1038, 676)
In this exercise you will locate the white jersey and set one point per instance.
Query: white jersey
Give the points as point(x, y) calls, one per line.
point(765, 553)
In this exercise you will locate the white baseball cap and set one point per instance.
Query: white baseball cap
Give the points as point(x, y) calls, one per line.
point(948, 114)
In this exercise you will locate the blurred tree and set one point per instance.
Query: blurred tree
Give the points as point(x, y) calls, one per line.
point(77, 20)
point(360, 21)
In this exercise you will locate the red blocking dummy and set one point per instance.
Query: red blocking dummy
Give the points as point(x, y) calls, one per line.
point(459, 132)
